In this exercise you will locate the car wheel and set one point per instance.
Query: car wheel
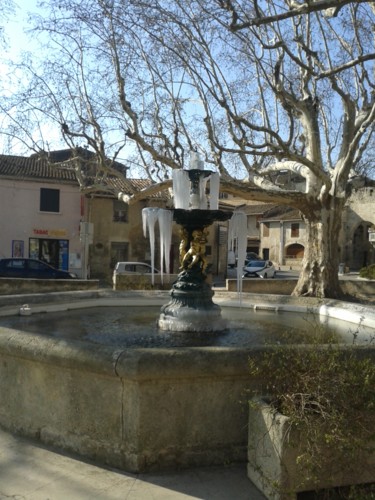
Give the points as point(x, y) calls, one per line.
point(265, 275)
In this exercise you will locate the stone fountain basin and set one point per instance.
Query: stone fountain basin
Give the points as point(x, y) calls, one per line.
point(135, 409)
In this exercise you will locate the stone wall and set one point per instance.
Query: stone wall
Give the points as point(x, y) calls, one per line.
point(133, 409)
point(143, 282)
point(355, 287)
point(268, 286)
point(17, 286)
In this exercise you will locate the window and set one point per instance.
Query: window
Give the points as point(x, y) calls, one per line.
point(49, 200)
point(295, 230)
point(120, 211)
point(15, 264)
point(119, 253)
point(266, 229)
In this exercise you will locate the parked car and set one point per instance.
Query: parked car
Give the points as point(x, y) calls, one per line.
point(132, 268)
point(31, 268)
point(232, 258)
point(251, 256)
point(259, 269)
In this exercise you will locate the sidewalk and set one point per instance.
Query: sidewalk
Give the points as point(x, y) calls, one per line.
point(30, 471)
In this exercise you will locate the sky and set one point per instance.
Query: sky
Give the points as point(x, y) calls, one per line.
point(17, 22)
point(17, 42)
point(16, 39)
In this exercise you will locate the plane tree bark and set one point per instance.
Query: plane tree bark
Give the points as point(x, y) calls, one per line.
point(265, 95)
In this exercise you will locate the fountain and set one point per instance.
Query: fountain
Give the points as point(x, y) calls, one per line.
point(128, 405)
point(191, 308)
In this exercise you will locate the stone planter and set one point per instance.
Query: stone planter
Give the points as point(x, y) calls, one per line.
point(274, 446)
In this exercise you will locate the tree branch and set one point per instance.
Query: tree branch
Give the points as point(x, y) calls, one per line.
point(298, 9)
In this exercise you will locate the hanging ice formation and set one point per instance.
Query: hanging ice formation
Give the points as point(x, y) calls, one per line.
point(237, 238)
point(164, 217)
point(195, 161)
point(187, 196)
point(149, 218)
point(214, 191)
point(181, 189)
point(202, 193)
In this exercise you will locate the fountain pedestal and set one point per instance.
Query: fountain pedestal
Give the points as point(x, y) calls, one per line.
point(191, 308)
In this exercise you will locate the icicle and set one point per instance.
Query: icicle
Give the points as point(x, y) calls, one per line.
point(149, 217)
point(202, 193)
point(181, 189)
point(165, 218)
point(214, 191)
point(238, 231)
point(195, 162)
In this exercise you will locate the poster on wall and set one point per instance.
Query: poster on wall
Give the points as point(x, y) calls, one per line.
point(17, 248)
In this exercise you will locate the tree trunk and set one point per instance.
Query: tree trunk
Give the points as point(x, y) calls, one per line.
point(319, 273)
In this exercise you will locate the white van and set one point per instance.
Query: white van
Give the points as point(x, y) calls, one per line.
point(132, 268)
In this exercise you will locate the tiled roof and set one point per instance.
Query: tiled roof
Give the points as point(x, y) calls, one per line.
point(33, 168)
point(258, 209)
point(130, 186)
point(86, 156)
point(281, 212)
point(38, 168)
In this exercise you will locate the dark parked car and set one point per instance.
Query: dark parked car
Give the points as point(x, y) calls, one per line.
point(31, 268)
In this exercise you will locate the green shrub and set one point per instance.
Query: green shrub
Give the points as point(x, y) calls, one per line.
point(328, 393)
point(368, 272)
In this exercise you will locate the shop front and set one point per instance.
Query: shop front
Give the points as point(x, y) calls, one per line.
point(51, 247)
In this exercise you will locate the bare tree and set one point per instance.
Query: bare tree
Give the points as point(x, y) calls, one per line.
point(153, 79)
point(261, 13)
point(7, 7)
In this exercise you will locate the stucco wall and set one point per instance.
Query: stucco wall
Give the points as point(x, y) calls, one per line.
point(22, 219)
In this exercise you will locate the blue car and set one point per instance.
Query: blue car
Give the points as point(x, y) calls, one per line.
point(31, 268)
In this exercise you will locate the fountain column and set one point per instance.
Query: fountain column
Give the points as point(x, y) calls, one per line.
point(191, 307)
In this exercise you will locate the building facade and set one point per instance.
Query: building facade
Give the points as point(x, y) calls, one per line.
point(46, 216)
point(118, 236)
point(41, 210)
point(356, 249)
point(278, 233)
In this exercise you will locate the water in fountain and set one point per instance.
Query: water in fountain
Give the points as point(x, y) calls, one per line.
point(134, 327)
